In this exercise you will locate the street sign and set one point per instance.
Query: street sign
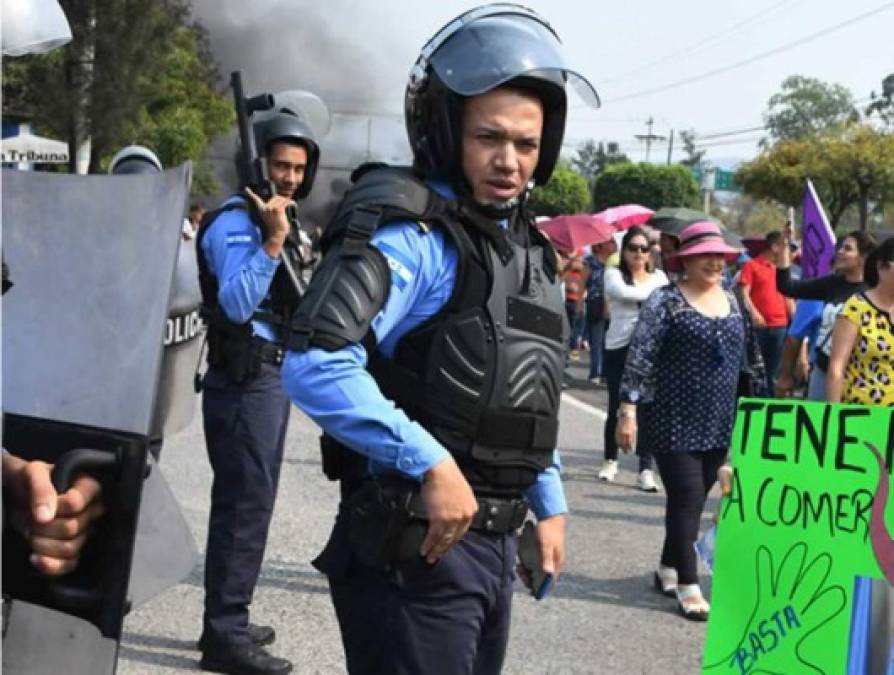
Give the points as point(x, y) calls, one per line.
point(724, 181)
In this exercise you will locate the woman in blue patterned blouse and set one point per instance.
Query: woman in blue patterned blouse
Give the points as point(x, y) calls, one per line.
point(679, 384)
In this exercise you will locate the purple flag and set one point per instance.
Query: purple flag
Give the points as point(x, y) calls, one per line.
point(817, 238)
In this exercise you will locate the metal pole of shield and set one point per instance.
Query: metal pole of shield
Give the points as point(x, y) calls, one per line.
point(92, 259)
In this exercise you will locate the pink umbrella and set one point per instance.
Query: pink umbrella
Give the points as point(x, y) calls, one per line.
point(569, 233)
point(626, 216)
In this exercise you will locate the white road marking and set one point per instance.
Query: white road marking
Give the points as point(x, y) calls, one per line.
point(586, 407)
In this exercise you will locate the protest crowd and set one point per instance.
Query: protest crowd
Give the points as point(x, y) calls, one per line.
point(430, 331)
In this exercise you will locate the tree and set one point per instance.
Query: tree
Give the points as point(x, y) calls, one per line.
point(186, 113)
point(651, 185)
point(592, 158)
point(806, 107)
point(566, 192)
point(693, 156)
point(863, 160)
point(135, 71)
point(849, 169)
point(883, 104)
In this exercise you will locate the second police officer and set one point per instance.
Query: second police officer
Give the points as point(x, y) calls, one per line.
point(430, 349)
point(248, 296)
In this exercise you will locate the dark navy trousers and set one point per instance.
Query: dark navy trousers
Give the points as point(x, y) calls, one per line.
point(450, 618)
point(245, 429)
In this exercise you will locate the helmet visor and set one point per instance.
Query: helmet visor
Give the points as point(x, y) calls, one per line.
point(492, 50)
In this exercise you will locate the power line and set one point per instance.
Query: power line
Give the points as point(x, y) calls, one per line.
point(639, 150)
point(699, 45)
point(740, 141)
point(753, 59)
point(723, 134)
point(712, 143)
point(760, 127)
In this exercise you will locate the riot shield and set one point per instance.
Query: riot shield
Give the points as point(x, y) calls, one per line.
point(92, 261)
point(183, 340)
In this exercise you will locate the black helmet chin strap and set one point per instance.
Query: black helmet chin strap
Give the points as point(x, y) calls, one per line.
point(498, 210)
point(507, 209)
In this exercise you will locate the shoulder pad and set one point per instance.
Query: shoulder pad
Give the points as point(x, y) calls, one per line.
point(344, 295)
point(382, 194)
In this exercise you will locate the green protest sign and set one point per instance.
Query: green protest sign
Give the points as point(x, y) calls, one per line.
point(796, 533)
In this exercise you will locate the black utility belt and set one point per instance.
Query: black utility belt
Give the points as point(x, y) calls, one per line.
point(497, 516)
point(269, 352)
point(387, 521)
point(241, 355)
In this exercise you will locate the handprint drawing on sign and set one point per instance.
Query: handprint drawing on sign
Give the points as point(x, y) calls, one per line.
point(793, 601)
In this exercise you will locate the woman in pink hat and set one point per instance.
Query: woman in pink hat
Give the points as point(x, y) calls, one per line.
point(678, 394)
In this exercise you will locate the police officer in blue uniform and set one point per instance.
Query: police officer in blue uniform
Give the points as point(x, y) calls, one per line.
point(429, 347)
point(248, 295)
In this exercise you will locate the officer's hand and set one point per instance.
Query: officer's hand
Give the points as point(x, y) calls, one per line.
point(551, 538)
point(55, 526)
point(450, 505)
point(276, 222)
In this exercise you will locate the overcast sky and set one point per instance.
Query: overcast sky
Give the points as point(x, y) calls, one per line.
point(356, 55)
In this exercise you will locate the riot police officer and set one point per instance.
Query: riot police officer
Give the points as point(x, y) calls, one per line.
point(429, 348)
point(248, 295)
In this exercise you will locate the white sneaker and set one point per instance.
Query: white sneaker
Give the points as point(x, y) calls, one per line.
point(646, 481)
point(608, 471)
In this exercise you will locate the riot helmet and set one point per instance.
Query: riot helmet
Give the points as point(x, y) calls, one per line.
point(285, 125)
point(135, 159)
point(485, 48)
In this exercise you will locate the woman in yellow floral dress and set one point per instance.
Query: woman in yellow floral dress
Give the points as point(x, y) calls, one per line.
point(861, 366)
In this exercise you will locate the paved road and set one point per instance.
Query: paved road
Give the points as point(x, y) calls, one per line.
point(602, 618)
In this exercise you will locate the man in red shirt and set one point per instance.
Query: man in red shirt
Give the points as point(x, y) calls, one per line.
point(766, 305)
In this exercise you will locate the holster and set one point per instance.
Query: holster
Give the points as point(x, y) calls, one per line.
point(382, 528)
point(336, 458)
point(387, 521)
point(238, 354)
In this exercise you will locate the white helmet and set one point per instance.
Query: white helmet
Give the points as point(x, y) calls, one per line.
point(135, 159)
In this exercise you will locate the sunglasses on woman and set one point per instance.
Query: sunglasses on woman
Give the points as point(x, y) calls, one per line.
point(634, 248)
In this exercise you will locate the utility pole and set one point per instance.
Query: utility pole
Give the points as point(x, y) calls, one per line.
point(670, 147)
point(708, 181)
point(649, 137)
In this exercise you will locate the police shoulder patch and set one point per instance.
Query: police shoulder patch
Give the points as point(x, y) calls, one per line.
point(238, 239)
point(403, 270)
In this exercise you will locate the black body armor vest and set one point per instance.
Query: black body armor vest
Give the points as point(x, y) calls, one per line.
point(483, 375)
point(284, 296)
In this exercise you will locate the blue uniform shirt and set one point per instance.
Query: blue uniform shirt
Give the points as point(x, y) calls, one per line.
point(340, 395)
point(234, 252)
